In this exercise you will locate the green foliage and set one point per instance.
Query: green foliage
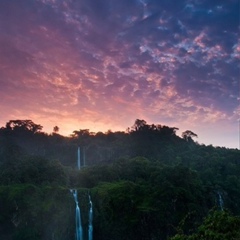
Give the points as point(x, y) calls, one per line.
point(30, 212)
point(36, 170)
point(143, 201)
point(218, 225)
point(117, 212)
point(145, 184)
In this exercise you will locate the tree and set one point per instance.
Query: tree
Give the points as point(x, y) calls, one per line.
point(139, 125)
point(168, 131)
point(218, 225)
point(56, 129)
point(187, 135)
point(81, 133)
point(23, 125)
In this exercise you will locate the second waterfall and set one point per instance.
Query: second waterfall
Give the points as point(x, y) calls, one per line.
point(90, 226)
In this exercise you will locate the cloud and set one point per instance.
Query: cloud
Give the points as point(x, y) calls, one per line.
point(107, 63)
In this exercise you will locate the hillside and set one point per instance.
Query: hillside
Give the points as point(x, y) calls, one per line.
point(146, 183)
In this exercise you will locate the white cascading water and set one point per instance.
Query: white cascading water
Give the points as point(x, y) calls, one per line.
point(90, 226)
point(79, 231)
point(220, 201)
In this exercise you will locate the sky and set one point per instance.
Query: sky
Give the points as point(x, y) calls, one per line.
point(102, 64)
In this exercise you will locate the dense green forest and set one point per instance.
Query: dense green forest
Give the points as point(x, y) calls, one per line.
point(146, 183)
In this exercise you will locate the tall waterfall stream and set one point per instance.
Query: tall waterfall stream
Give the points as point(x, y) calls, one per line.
point(79, 228)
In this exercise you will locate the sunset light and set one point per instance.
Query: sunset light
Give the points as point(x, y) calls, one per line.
point(100, 65)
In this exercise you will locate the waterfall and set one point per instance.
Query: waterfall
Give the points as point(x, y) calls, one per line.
point(78, 162)
point(79, 231)
point(84, 157)
point(90, 226)
point(220, 201)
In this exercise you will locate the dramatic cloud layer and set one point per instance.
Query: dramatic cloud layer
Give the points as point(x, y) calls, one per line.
point(100, 64)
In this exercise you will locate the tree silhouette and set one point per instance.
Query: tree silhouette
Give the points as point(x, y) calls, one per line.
point(56, 129)
point(23, 125)
point(188, 135)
